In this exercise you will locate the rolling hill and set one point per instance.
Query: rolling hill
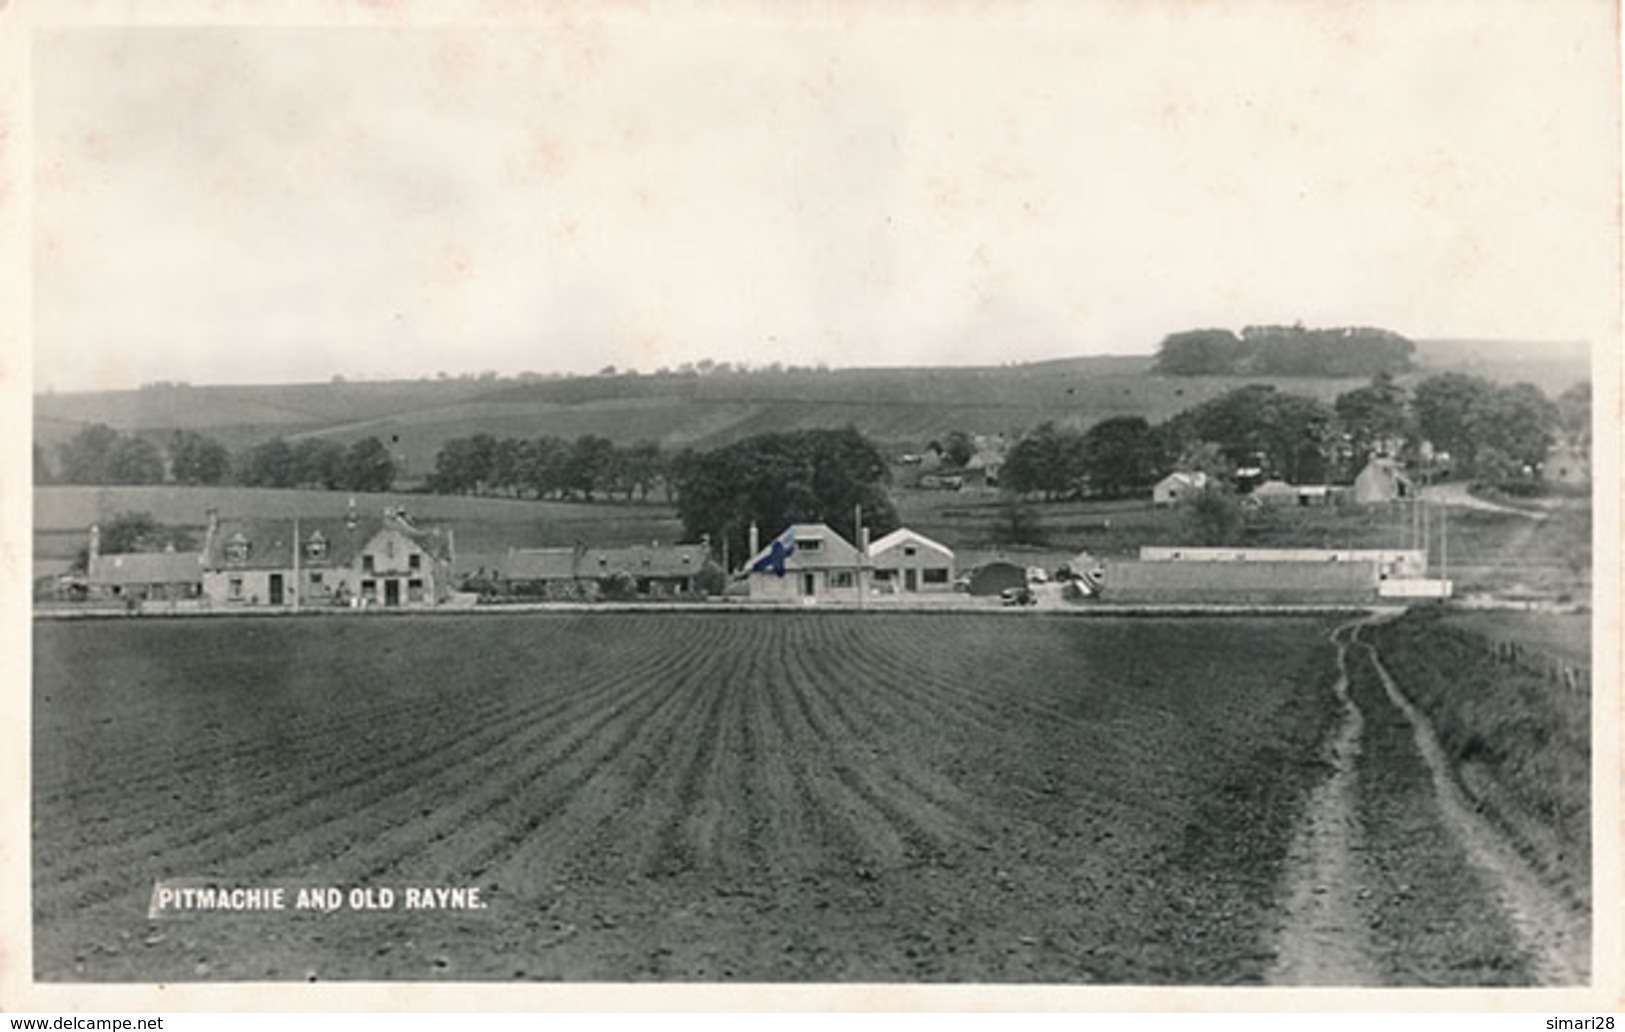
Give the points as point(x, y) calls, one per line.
point(902, 408)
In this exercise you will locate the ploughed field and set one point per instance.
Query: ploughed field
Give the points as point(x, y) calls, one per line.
point(678, 796)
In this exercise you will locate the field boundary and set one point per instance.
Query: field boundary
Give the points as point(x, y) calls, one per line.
point(765, 608)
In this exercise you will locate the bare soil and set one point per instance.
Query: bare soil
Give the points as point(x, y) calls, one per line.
point(778, 797)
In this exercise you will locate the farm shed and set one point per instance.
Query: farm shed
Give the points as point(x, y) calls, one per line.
point(653, 570)
point(807, 562)
point(143, 575)
point(907, 561)
point(352, 560)
point(1382, 481)
point(993, 578)
point(1241, 583)
point(1177, 487)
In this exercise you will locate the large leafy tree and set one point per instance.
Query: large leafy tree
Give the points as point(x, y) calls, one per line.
point(1574, 407)
point(1372, 415)
point(197, 459)
point(1121, 455)
point(83, 458)
point(135, 460)
point(591, 465)
point(368, 466)
point(1518, 422)
point(272, 463)
point(1047, 460)
point(319, 462)
point(1289, 433)
point(778, 479)
point(1443, 406)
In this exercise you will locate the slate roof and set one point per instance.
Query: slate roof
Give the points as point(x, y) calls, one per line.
point(269, 541)
point(834, 551)
point(660, 561)
point(146, 568)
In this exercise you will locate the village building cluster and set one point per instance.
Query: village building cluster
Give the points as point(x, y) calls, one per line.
point(390, 561)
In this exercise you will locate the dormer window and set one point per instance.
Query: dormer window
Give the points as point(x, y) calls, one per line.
point(316, 547)
point(810, 544)
point(237, 548)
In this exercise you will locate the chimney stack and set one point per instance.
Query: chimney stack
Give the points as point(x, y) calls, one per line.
point(755, 542)
point(863, 540)
point(95, 542)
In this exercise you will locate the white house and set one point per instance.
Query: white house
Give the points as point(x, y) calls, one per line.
point(905, 561)
point(807, 562)
point(1177, 487)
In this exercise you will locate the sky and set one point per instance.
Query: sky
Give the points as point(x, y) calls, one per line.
point(851, 184)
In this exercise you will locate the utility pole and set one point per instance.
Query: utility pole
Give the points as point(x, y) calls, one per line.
point(863, 555)
point(1444, 543)
point(293, 589)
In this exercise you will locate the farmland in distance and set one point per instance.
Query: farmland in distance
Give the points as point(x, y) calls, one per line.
point(677, 796)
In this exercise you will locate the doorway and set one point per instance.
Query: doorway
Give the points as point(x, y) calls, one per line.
point(809, 586)
point(392, 592)
point(275, 589)
point(911, 580)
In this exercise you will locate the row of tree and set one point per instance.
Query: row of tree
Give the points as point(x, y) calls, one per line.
point(1284, 351)
point(1490, 432)
point(98, 454)
point(549, 467)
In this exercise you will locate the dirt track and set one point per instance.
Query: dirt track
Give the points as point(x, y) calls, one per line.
point(1396, 879)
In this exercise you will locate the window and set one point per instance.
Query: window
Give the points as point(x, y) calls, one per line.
point(315, 576)
point(414, 562)
point(910, 550)
point(936, 575)
point(811, 544)
point(237, 548)
point(366, 564)
point(316, 547)
point(414, 590)
point(235, 589)
point(840, 579)
point(369, 589)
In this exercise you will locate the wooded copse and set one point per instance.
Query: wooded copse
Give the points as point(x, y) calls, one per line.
point(1284, 351)
point(1496, 434)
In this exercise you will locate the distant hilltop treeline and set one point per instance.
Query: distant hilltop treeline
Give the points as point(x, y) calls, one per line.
point(1343, 351)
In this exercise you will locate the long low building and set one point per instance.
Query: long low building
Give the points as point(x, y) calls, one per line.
point(1258, 582)
point(1391, 562)
point(654, 571)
